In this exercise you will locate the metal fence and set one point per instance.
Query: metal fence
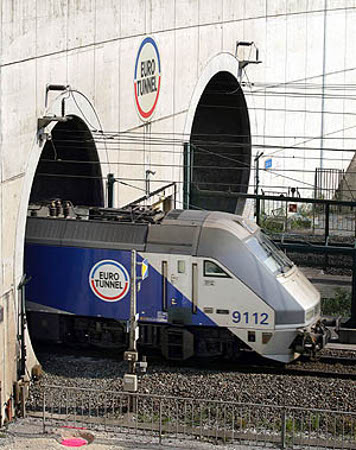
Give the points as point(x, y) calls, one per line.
point(304, 216)
point(278, 212)
point(341, 218)
point(327, 183)
point(185, 418)
point(282, 216)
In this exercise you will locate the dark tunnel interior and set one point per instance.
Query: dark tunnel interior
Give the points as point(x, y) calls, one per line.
point(69, 167)
point(220, 145)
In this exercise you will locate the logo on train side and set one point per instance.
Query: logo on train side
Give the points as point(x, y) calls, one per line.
point(109, 280)
point(147, 79)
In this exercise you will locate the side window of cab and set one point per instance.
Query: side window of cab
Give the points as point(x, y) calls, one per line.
point(211, 269)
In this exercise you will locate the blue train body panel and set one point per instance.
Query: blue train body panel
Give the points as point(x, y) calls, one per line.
point(64, 278)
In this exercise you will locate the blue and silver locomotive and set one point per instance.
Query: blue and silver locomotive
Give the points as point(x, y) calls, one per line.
point(214, 285)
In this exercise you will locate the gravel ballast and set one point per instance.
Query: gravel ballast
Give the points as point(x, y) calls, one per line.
point(200, 383)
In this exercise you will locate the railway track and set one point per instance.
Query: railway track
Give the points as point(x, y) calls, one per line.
point(342, 368)
point(300, 372)
point(326, 367)
point(334, 363)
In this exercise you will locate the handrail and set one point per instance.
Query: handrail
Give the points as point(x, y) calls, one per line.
point(151, 194)
point(275, 197)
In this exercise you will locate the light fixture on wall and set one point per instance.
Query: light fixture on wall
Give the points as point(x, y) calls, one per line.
point(55, 87)
point(245, 62)
point(45, 120)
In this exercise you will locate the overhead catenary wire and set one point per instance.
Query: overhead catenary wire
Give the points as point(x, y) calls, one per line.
point(210, 167)
point(220, 154)
point(198, 138)
point(249, 167)
point(112, 135)
point(179, 138)
point(226, 144)
point(298, 181)
point(48, 174)
point(125, 139)
point(160, 181)
point(180, 166)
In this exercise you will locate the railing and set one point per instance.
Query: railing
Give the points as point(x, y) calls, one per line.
point(285, 214)
point(293, 216)
point(306, 216)
point(328, 182)
point(167, 192)
point(163, 417)
point(337, 218)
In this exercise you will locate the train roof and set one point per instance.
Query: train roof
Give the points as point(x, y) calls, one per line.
point(178, 232)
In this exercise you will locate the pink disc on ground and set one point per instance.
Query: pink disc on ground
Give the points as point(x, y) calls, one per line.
point(74, 442)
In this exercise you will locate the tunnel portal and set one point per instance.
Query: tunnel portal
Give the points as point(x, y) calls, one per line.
point(69, 167)
point(220, 145)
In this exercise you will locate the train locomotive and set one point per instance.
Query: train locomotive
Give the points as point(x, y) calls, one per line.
point(213, 285)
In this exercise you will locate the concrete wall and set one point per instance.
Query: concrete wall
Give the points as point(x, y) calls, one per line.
point(92, 45)
point(347, 186)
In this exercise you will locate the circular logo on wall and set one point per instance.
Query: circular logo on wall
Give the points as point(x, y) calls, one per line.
point(109, 280)
point(147, 79)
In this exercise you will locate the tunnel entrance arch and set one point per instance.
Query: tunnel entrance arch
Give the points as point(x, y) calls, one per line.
point(68, 170)
point(84, 183)
point(219, 153)
point(69, 167)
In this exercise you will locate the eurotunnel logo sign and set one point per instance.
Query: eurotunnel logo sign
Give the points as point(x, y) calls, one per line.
point(147, 79)
point(109, 280)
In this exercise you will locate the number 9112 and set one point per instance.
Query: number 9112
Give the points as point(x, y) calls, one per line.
point(248, 318)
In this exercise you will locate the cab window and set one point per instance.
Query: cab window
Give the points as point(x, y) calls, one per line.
point(267, 252)
point(211, 269)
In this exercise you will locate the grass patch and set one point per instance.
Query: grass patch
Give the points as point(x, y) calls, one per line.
point(340, 305)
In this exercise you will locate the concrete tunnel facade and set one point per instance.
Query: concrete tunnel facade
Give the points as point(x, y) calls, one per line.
point(98, 50)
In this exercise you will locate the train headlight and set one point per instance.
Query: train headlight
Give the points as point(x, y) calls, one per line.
point(309, 314)
point(317, 309)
